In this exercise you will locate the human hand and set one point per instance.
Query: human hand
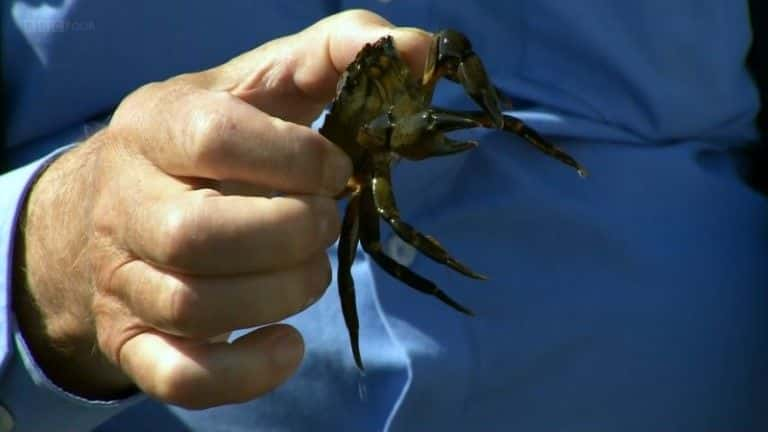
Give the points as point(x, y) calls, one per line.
point(164, 230)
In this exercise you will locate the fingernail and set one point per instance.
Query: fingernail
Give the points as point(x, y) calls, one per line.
point(324, 227)
point(416, 30)
point(224, 337)
point(338, 172)
point(287, 348)
point(310, 301)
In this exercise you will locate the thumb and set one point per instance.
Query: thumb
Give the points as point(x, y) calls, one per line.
point(294, 77)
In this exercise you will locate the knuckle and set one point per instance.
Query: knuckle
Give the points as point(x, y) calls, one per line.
point(179, 235)
point(209, 129)
point(149, 90)
point(109, 320)
point(173, 233)
point(364, 16)
point(133, 105)
point(182, 309)
point(146, 91)
point(153, 97)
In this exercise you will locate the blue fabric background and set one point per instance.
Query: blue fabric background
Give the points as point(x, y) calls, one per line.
point(634, 300)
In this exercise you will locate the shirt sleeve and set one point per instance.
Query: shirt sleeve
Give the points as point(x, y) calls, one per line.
point(25, 391)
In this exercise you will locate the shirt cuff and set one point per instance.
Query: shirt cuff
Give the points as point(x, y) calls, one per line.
point(25, 390)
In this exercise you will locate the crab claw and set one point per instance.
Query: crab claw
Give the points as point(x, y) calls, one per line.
point(420, 135)
point(451, 55)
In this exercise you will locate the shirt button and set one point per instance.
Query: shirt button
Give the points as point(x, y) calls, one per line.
point(400, 251)
point(6, 420)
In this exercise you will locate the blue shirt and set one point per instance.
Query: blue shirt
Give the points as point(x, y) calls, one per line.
point(634, 300)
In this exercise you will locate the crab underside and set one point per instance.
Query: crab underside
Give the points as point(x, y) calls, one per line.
point(382, 112)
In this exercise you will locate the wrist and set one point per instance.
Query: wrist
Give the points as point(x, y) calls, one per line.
point(51, 289)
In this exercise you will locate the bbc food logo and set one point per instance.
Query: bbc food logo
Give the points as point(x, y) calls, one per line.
point(57, 26)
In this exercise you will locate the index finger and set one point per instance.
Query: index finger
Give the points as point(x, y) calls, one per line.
point(217, 136)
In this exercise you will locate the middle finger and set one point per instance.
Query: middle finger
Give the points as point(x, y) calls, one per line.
point(203, 233)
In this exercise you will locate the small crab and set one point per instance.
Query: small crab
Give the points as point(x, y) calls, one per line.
point(381, 113)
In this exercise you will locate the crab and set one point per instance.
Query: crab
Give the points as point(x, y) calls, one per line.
point(382, 113)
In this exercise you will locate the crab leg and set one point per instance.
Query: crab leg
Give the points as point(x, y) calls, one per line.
point(385, 205)
point(346, 254)
point(448, 119)
point(517, 126)
point(451, 56)
point(370, 240)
